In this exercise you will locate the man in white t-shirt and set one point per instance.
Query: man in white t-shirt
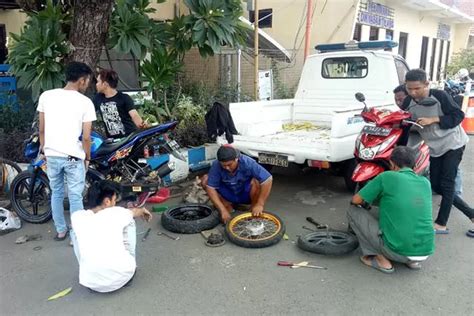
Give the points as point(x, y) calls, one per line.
point(104, 239)
point(64, 115)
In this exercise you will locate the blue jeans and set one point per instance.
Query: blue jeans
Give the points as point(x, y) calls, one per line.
point(61, 170)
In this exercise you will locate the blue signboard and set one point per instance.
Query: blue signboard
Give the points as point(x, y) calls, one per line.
point(376, 14)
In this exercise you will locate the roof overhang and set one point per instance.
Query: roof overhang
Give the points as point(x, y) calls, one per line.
point(267, 45)
point(9, 4)
point(439, 10)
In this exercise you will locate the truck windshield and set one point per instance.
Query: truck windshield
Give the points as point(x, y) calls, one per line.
point(345, 67)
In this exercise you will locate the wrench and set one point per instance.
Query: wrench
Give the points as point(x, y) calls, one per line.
point(169, 236)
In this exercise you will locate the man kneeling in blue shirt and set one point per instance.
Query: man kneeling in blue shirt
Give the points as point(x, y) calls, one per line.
point(237, 179)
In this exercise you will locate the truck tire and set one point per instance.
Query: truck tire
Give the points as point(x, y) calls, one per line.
point(190, 219)
point(323, 242)
point(348, 171)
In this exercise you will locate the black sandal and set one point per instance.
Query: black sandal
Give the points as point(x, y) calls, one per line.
point(470, 233)
point(57, 238)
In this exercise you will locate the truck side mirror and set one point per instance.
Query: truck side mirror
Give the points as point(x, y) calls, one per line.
point(360, 97)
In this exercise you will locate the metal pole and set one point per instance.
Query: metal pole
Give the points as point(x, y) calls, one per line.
point(239, 79)
point(309, 23)
point(255, 83)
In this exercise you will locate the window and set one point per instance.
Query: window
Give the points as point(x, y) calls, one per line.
point(265, 18)
point(357, 32)
point(424, 52)
point(374, 33)
point(345, 67)
point(440, 60)
point(402, 69)
point(389, 35)
point(402, 44)
point(433, 55)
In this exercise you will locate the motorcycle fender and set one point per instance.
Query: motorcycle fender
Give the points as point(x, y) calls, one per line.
point(365, 171)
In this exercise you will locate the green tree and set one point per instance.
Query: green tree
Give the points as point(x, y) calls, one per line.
point(462, 59)
point(64, 30)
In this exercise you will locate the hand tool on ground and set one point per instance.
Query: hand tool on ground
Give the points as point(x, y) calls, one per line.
point(307, 228)
point(169, 236)
point(146, 234)
point(318, 225)
point(292, 264)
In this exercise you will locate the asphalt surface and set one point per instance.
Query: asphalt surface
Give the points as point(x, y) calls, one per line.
point(185, 277)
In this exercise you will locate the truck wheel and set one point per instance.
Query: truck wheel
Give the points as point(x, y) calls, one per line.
point(348, 171)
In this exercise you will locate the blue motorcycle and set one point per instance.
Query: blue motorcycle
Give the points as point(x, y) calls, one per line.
point(123, 161)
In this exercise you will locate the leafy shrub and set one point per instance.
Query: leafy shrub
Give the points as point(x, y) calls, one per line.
point(15, 127)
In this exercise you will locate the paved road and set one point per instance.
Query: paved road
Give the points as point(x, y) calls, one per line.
point(186, 278)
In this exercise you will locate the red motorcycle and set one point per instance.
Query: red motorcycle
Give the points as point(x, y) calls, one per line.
point(375, 143)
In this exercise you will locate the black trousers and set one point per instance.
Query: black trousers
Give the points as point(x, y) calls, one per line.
point(443, 171)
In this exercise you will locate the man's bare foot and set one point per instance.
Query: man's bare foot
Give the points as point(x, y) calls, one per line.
point(381, 261)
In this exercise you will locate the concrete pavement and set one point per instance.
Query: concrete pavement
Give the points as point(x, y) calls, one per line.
point(187, 278)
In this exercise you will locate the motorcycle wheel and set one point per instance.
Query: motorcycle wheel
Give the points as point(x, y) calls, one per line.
point(190, 219)
point(248, 231)
point(38, 209)
point(8, 171)
point(328, 242)
point(348, 171)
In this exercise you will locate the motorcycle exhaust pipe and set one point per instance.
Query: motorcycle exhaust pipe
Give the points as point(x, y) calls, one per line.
point(166, 169)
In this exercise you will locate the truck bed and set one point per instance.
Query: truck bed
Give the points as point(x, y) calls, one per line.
point(313, 144)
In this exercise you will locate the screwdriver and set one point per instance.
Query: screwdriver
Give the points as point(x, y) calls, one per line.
point(292, 264)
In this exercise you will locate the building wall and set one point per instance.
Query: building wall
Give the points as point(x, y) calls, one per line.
point(418, 24)
point(13, 20)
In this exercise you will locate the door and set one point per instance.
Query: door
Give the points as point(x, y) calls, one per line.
point(3, 43)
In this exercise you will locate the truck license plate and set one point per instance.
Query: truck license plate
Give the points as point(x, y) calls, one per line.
point(375, 130)
point(274, 160)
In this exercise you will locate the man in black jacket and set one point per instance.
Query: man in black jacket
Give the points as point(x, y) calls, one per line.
point(436, 111)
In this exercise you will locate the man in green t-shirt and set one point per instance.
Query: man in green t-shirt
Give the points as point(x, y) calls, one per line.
point(403, 231)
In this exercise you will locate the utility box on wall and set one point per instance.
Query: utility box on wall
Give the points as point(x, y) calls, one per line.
point(265, 84)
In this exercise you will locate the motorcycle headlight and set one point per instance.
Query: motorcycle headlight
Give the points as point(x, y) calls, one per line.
point(367, 153)
point(381, 148)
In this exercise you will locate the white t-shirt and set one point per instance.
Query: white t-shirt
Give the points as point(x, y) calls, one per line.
point(105, 264)
point(64, 112)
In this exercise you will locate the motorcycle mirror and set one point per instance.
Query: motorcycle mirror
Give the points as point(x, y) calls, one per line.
point(360, 97)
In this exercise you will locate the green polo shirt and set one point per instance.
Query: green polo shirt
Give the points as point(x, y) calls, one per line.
point(405, 216)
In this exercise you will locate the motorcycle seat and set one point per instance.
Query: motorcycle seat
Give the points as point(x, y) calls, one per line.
point(109, 147)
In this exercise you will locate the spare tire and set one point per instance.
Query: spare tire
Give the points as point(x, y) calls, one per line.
point(248, 231)
point(190, 219)
point(328, 242)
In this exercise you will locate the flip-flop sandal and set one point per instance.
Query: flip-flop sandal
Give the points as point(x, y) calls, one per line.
point(441, 231)
point(215, 240)
point(375, 265)
point(470, 233)
point(414, 265)
point(57, 238)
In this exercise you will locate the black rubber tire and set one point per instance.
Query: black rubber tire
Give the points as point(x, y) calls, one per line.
point(24, 214)
point(257, 243)
point(348, 171)
point(171, 223)
point(306, 242)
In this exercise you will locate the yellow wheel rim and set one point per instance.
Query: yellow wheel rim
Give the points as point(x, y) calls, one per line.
point(248, 227)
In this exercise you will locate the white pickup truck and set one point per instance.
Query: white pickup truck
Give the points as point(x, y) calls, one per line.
point(318, 127)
